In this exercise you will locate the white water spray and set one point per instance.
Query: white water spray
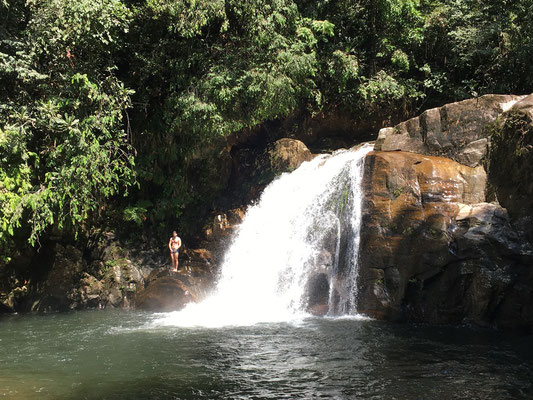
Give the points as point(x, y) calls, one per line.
point(295, 252)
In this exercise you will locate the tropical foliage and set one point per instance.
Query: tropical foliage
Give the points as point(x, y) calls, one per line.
point(63, 147)
point(102, 98)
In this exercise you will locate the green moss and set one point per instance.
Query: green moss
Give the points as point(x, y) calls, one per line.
point(436, 233)
point(408, 231)
point(397, 192)
point(344, 198)
point(509, 131)
point(266, 177)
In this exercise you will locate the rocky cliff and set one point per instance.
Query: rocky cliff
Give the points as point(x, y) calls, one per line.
point(457, 130)
point(433, 248)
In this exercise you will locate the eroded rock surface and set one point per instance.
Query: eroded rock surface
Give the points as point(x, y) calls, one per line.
point(455, 130)
point(287, 155)
point(433, 250)
point(510, 163)
point(167, 291)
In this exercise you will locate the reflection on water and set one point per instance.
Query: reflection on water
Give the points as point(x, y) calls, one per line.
point(124, 355)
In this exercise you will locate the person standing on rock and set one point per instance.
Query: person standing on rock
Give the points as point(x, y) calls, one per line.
point(174, 246)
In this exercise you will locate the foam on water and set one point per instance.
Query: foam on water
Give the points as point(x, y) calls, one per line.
point(304, 228)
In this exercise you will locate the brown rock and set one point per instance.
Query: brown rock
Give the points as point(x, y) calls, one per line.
point(455, 130)
point(90, 293)
point(66, 270)
point(410, 201)
point(446, 256)
point(288, 154)
point(525, 106)
point(166, 293)
point(115, 297)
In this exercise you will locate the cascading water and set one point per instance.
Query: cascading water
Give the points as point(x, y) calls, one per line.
point(295, 252)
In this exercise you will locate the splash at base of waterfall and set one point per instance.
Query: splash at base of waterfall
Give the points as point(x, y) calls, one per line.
point(295, 253)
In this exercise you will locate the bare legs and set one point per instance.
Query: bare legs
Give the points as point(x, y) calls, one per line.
point(174, 259)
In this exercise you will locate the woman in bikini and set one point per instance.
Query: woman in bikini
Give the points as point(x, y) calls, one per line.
point(174, 246)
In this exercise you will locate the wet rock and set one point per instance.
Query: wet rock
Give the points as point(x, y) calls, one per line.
point(15, 297)
point(446, 255)
point(318, 290)
point(115, 298)
point(208, 256)
point(5, 309)
point(165, 292)
point(91, 293)
point(455, 130)
point(105, 277)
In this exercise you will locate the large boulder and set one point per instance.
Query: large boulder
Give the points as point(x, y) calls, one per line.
point(287, 155)
point(432, 250)
point(112, 285)
point(111, 277)
point(166, 291)
point(166, 294)
point(455, 130)
point(284, 155)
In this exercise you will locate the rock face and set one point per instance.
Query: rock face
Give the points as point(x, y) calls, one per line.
point(66, 269)
point(432, 250)
point(254, 168)
point(287, 155)
point(510, 163)
point(455, 130)
point(107, 273)
point(166, 291)
point(106, 278)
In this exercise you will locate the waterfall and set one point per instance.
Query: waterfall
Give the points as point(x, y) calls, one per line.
point(295, 252)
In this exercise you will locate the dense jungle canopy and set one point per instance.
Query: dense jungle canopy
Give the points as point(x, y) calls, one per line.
point(107, 106)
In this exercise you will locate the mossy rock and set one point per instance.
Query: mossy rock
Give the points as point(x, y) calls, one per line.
point(510, 160)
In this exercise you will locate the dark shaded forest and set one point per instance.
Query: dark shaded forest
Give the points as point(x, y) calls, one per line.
point(111, 110)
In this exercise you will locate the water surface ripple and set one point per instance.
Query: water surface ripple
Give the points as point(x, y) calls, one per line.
point(126, 355)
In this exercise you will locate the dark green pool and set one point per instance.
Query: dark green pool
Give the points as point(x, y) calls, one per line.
point(126, 355)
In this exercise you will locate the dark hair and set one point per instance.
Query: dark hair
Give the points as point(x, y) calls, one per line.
point(174, 232)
